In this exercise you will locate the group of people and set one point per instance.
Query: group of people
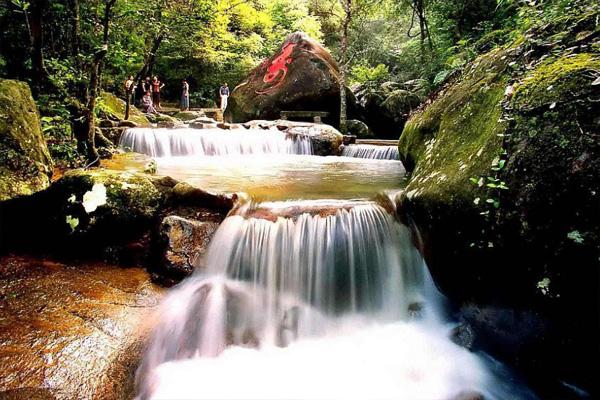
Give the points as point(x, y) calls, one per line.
point(150, 89)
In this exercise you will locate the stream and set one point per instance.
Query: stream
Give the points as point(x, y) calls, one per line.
point(313, 289)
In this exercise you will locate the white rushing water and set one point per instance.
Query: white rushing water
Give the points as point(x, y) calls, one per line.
point(371, 151)
point(163, 142)
point(308, 300)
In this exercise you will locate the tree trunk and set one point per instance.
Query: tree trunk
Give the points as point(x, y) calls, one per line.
point(96, 70)
point(137, 80)
point(36, 34)
point(75, 28)
point(344, 61)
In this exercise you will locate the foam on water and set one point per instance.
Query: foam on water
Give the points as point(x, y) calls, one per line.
point(163, 142)
point(331, 303)
point(371, 151)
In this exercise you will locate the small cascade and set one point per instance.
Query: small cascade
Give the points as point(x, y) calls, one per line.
point(311, 300)
point(163, 142)
point(371, 151)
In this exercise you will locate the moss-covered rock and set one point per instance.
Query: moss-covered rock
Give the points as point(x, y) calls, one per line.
point(25, 163)
point(92, 213)
point(189, 115)
point(114, 108)
point(505, 192)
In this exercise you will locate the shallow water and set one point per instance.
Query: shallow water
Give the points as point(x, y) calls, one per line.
point(281, 177)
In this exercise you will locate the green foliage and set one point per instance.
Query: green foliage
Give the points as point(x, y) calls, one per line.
point(363, 74)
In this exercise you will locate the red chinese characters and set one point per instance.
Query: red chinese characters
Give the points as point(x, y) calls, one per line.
point(278, 69)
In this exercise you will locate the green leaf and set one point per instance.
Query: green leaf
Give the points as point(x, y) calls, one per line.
point(73, 222)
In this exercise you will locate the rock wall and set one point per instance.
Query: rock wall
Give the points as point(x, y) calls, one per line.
point(25, 163)
point(505, 193)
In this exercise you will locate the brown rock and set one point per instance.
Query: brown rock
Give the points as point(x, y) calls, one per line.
point(300, 76)
point(72, 331)
point(186, 243)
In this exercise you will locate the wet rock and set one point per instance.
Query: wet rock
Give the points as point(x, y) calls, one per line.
point(463, 335)
point(468, 395)
point(186, 243)
point(359, 129)
point(185, 194)
point(225, 125)
point(170, 124)
point(189, 115)
point(25, 163)
point(72, 331)
point(113, 134)
point(300, 76)
point(537, 140)
point(202, 125)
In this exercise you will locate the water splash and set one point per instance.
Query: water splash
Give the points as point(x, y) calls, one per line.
point(162, 142)
point(371, 151)
point(308, 300)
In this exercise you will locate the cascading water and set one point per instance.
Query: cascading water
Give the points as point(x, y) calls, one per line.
point(308, 300)
point(162, 142)
point(371, 151)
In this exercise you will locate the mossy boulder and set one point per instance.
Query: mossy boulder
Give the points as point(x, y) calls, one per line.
point(113, 108)
point(505, 192)
point(103, 213)
point(25, 163)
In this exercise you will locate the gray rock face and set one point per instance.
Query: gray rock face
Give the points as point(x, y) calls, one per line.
point(186, 243)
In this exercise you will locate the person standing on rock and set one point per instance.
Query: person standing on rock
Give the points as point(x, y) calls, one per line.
point(156, 86)
point(224, 92)
point(185, 96)
point(130, 89)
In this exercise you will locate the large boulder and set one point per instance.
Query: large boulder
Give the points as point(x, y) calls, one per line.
point(25, 163)
point(300, 76)
point(113, 108)
point(505, 194)
point(100, 212)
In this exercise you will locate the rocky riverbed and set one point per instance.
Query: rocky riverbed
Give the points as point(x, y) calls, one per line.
point(71, 330)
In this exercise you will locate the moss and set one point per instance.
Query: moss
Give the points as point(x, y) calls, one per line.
point(556, 80)
point(115, 109)
point(25, 163)
point(458, 135)
point(130, 196)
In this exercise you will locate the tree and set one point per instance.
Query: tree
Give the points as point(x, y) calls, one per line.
point(89, 126)
point(347, 6)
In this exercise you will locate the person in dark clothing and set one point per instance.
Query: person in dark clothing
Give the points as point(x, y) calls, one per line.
point(224, 93)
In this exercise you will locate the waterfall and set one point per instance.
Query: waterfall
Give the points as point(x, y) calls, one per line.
point(163, 142)
point(371, 151)
point(311, 300)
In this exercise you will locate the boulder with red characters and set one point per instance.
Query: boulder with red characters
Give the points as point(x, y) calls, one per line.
point(300, 76)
